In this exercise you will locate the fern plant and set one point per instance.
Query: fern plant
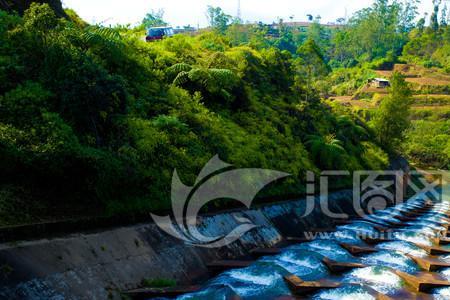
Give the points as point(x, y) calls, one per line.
point(181, 78)
point(327, 151)
point(101, 38)
point(94, 35)
point(180, 67)
point(349, 132)
point(217, 82)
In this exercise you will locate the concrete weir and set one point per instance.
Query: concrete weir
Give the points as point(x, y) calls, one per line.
point(98, 265)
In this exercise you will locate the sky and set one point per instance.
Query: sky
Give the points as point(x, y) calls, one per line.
point(192, 12)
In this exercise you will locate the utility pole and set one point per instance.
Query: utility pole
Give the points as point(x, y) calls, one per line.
point(346, 15)
point(239, 10)
point(448, 10)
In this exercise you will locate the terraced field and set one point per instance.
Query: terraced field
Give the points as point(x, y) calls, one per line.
point(427, 142)
point(431, 89)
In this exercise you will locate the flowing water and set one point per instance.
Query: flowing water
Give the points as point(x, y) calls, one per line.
point(345, 293)
point(380, 279)
point(264, 278)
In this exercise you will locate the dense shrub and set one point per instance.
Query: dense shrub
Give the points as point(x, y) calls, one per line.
point(429, 143)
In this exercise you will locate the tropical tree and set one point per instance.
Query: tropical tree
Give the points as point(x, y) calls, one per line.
point(311, 63)
point(218, 19)
point(285, 40)
point(379, 29)
point(154, 18)
point(392, 118)
point(444, 16)
point(434, 21)
point(319, 34)
point(313, 59)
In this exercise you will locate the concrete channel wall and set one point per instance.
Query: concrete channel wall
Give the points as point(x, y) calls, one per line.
point(98, 265)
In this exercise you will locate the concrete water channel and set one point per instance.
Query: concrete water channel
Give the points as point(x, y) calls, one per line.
point(401, 252)
point(392, 254)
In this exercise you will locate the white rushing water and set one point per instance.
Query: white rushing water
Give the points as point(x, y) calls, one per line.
point(264, 279)
point(379, 278)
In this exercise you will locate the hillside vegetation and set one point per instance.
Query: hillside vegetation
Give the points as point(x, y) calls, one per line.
point(94, 120)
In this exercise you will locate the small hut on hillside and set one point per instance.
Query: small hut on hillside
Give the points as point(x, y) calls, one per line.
point(379, 83)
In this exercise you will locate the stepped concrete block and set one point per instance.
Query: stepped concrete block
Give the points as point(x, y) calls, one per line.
point(341, 267)
point(429, 264)
point(357, 250)
point(383, 229)
point(405, 294)
point(259, 252)
point(302, 288)
point(298, 240)
point(224, 265)
point(442, 241)
point(323, 230)
point(379, 223)
point(405, 219)
point(411, 213)
point(423, 282)
point(342, 222)
point(375, 240)
point(172, 292)
point(433, 250)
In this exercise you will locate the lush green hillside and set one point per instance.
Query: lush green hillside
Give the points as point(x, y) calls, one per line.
point(94, 120)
